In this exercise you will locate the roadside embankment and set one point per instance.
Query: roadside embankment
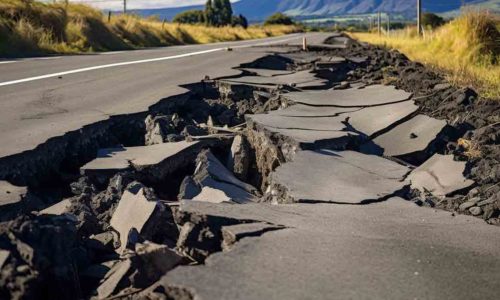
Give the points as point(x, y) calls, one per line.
point(467, 49)
point(35, 28)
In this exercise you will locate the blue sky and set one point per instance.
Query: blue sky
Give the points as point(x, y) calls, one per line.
point(132, 4)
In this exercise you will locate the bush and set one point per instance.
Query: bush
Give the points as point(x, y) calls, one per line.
point(279, 19)
point(190, 17)
point(432, 20)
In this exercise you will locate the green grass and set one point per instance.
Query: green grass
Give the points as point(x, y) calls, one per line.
point(30, 28)
point(467, 50)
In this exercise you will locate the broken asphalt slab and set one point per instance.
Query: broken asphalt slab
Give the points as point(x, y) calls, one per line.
point(112, 160)
point(335, 176)
point(409, 138)
point(440, 175)
point(300, 79)
point(213, 182)
point(369, 96)
point(387, 250)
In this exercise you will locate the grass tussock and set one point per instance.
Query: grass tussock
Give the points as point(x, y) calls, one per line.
point(467, 49)
point(32, 28)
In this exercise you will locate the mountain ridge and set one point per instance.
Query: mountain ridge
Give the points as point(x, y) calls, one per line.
point(257, 10)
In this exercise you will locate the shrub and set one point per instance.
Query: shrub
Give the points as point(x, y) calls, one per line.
point(279, 19)
point(190, 17)
point(432, 20)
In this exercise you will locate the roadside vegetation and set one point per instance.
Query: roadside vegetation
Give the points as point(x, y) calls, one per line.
point(30, 28)
point(217, 13)
point(467, 48)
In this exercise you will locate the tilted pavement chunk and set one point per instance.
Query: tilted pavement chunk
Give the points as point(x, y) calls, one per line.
point(123, 158)
point(212, 182)
point(387, 250)
point(410, 137)
point(440, 175)
point(133, 211)
point(335, 176)
point(369, 96)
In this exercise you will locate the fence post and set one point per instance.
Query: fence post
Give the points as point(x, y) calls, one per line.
point(109, 16)
point(419, 17)
point(378, 24)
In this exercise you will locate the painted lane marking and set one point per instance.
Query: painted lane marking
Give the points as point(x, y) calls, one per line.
point(5, 83)
point(7, 62)
point(134, 62)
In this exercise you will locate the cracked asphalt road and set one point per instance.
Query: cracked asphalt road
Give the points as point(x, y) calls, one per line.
point(34, 111)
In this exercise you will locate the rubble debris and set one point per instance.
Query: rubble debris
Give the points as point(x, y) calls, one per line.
point(238, 160)
point(45, 256)
point(212, 182)
point(440, 175)
point(335, 176)
point(140, 210)
point(140, 269)
point(4, 255)
point(370, 96)
point(58, 209)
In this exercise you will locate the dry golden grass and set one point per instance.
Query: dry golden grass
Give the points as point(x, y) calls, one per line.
point(31, 28)
point(467, 50)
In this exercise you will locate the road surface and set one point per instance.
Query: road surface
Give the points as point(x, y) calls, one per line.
point(46, 97)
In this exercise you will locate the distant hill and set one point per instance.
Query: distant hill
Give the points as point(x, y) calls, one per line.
point(257, 10)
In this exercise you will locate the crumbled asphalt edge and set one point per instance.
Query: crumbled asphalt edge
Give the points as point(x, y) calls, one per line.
point(32, 271)
point(475, 121)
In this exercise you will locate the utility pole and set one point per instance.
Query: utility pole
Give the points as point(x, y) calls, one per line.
point(124, 6)
point(388, 23)
point(419, 17)
point(379, 23)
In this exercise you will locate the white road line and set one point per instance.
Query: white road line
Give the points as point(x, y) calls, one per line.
point(47, 58)
point(5, 83)
point(111, 53)
point(126, 63)
point(7, 62)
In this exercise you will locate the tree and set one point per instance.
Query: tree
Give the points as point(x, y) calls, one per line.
point(432, 20)
point(240, 21)
point(279, 18)
point(190, 17)
point(209, 13)
point(226, 12)
point(218, 6)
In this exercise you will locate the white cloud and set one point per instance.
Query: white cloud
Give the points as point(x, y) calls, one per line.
point(137, 4)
